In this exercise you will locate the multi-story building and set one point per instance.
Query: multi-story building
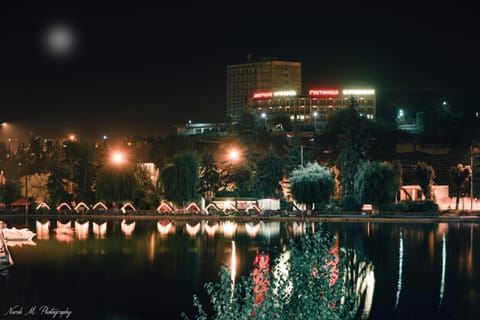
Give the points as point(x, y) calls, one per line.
point(267, 74)
point(314, 108)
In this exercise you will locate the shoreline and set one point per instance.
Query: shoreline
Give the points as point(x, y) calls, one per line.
point(379, 218)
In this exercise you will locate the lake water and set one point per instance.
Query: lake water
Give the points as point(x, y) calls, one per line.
point(150, 269)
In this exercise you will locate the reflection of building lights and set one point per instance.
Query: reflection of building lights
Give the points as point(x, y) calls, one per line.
point(299, 228)
point(193, 230)
point(210, 230)
point(81, 230)
point(100, 229)
point(151, 252)
point(281, 275)
point(444, 266)
point(165, 228)
point(229, 228)
point(400, 270)
point(43, 230)
point(127, 228)
point(261, 276)
point(64, 231)
point(233, 267)
point(270, 229)
point(252, 230)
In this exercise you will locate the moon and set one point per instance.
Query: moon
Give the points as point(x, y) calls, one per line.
point(60, 40)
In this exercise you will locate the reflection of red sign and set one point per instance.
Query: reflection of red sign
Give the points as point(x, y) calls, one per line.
point(261, 276)
point(323, 92)
point(262, 95)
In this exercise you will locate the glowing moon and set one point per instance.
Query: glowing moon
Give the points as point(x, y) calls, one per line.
point(59, 40)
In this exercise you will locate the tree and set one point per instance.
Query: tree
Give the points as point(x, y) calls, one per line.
point(146, 196)
point(307, 281)
point(116, 183)
point(354, 142)
point(377, 183)
point(239, 179)
point(209, 176)
point(293, 151)
point(84, 170)
point(57, 184)
point(10, 191)
point(424, 174)
point(269, 174)
point(247, 126)
point(397, 165)
point(180, 178)
point(313, 183)
point(460, 174)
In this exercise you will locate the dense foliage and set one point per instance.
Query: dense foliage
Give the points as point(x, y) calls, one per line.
point(312, 183)
point(269, 174)
point(306, 281)
point(377, 183)
point(424, 174)
point(180, 178)
point(460, 174)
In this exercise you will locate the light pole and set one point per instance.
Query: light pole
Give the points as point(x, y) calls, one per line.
point(315, 115)
point(471, 178)
point(301, 155)
point(264, 116)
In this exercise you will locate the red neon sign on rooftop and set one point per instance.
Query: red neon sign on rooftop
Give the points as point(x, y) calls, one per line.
point(323, 92)
point(262, 95)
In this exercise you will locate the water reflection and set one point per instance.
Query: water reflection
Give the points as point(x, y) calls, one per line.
point(211, 229)
point(165, 227)
point(127, 228)
point(193, 230)
point(229, 228)
point(444, 265)
point(252, 229)
point(400, 270)
point(20, 243)
point(81, 230)
point(99, 229)
point(64, 231)
point(387, 268)
point(233, 267)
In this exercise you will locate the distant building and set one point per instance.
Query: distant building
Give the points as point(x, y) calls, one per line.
point(267, 74)
point(314, 108)
point(200, 128)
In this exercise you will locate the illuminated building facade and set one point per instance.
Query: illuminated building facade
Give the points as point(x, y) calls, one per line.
point(264, 75)
point(314, 108)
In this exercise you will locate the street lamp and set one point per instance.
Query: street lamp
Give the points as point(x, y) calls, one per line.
point(315, 115)
point(118, 158)
point(234, 155)
point(264, 116)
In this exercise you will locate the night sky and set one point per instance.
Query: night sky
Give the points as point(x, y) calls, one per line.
point(118, 69)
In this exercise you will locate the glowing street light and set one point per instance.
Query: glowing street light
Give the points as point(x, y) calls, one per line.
point(118, 158)
point(264, 116)
point(315, 115)
point(234, 155)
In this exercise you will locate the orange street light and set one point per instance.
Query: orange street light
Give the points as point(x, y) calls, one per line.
point(234, 155)
point(118, 158)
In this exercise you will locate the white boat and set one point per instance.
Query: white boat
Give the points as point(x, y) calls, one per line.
point(14, 234)
point(5, 257)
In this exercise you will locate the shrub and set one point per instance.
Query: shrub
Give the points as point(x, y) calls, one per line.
point(351, 203)
point(417, 206)
point(305, 282)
